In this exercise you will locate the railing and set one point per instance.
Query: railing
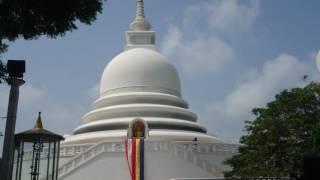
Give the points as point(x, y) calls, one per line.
point(237, 178)
point(104, 147)
point(186, 150)
point(65, 151)
point(191, 151)
point(209, 147)
point(88, 155)
point(71, 150)
point(259, 178)
point(194, 158)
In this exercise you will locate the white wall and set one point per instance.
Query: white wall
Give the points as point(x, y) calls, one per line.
point(158, 166)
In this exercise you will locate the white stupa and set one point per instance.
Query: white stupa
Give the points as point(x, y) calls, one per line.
point(140, 84)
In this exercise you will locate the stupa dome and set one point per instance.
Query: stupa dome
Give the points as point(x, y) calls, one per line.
point(140, 83)
point(140, 68)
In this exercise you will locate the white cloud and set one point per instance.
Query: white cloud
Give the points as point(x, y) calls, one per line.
point(63, 118)
point(276, 74)
point(94, 92)
point(195, 45)
point(205, 54)
point(57, 116)
point(201, 54)
point(227, 16)
point(283, 72)
point(31, 96)
point(172, 40)
point(231, 15)
point(4, 100)
point(202, 46)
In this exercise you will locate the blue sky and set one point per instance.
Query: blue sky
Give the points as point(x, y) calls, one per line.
point(231, 56)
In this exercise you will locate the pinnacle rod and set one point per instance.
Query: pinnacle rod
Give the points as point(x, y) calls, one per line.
point(140, 8)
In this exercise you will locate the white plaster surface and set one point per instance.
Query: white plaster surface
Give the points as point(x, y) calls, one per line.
point(139, 67)
point(159, 165)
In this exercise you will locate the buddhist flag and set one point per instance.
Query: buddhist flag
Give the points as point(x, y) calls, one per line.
point(135, 157)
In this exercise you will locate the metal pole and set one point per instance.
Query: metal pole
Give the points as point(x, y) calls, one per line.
point(8, 145)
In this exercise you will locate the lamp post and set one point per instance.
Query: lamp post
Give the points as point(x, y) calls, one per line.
point(15, 68)
point(37, 154)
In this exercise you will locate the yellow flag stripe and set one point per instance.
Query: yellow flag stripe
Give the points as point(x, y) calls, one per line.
point(137, 159)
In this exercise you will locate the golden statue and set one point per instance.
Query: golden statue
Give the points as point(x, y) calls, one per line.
point(138, 130)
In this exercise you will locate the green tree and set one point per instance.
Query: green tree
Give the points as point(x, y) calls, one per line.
point(280, 135)
point(3, 71)
point(30, 19)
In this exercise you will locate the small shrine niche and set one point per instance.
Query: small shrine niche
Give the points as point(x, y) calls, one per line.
point(138, 129)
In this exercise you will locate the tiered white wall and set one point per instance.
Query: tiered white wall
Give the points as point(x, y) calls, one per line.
point(163, 160)
point(158, 166)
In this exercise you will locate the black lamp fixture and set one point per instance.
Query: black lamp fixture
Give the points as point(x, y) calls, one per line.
point(16, 68)
point(36, 154)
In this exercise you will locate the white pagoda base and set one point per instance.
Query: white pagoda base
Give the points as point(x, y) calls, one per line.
point(164, 160)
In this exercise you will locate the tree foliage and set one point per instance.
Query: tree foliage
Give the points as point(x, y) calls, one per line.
point(3, 72)
point(282, 132)
point(30, 19)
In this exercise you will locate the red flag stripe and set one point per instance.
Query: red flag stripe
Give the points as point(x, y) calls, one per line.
point(133, 162)
point(126, 148)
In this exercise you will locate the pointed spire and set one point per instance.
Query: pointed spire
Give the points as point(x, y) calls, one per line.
point(140, 35)
point(140, 8)
point(140, 23)
point(38, 124)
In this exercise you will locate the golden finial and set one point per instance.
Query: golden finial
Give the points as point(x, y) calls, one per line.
point(38, 124)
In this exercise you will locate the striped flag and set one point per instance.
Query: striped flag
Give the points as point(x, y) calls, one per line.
point(135, 157)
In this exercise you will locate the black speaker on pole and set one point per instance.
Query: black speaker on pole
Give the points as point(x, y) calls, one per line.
point(311, 166)
point(16, 68)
